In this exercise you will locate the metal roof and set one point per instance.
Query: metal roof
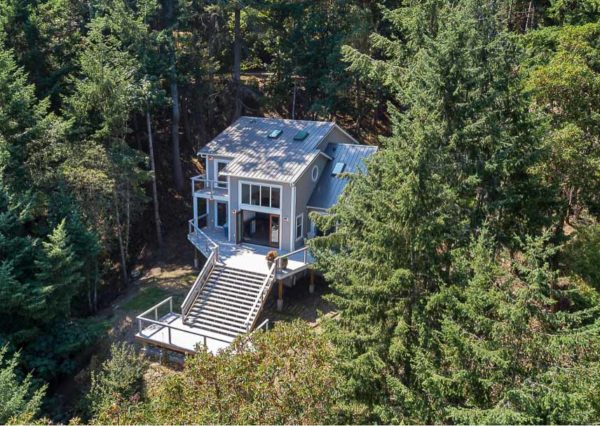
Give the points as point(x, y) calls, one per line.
point(256, 156)
point(330, 187)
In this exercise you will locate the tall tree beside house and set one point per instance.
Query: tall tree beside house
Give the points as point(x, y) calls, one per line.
point(459, 162)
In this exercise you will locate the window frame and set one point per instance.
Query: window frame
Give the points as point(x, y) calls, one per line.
point(259, 207)
point(301, 217)
point(315, 170)
point(219, 183)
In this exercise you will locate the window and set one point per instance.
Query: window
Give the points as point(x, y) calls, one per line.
point(339, 168)
point(299, 226)
point(245, 194)
point(255, 191)
point(221, 179)
point(315, 173)
point(275, 197)
point(301, 135)
point(265, 196)
point(275, 134)
point(221, 214)
point(261, 195)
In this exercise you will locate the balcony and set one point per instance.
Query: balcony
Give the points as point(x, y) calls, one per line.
point(209, 188)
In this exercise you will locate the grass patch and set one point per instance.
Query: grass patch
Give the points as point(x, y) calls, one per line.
point(145, 299)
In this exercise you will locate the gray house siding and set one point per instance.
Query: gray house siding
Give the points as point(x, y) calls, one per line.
point(304, 189)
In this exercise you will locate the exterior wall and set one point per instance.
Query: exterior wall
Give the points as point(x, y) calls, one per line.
point(304, 189)
point(286, 209)
point(336, 135)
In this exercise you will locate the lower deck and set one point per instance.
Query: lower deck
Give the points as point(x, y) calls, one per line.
point(169, 332)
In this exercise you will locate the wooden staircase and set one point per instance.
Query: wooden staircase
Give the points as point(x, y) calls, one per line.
point(228, 300)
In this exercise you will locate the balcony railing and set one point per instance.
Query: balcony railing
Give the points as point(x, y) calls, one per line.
point(203, 184)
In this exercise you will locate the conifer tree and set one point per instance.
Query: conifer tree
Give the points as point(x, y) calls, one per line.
point(59, 273)
point(20, 402)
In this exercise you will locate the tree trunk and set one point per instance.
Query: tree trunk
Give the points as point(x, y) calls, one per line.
point(120, 238)
point(154, 188)
point(237, 53)
point(175, 110)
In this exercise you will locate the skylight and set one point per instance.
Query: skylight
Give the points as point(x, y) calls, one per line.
point(300, 136)
point(275, 134)
point(338, 168)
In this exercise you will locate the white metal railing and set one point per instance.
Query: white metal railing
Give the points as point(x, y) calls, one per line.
point(260, 297)
point(210, 244)
point(142, 320)
point(201, 182)
point(303, 250)
point(201, 280)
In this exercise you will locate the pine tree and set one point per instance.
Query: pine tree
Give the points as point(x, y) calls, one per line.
point(59, 273)
point(459, 160)
point(20, 402)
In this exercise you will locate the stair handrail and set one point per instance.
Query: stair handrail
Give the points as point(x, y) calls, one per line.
point(210, 243)
point(261, 294)
point(198, 284)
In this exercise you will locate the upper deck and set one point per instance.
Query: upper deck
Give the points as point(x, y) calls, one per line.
point(249, 257)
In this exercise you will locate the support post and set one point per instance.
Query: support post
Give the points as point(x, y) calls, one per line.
point(196, 262)
point(280, 295)
point(311, 286)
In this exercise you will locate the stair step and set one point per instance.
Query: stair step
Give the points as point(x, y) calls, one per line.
point(235, 282)
point(222, 308)
point(211, 328)
point(213, 289)
point(238, 277)
point(218, 326)
point(219, 317)
point(241, 289)
point(257, 275)
point(225, 298)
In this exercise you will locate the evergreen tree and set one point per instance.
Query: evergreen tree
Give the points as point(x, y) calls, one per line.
point(20, 402)
point(59, 273)
point(459, 158)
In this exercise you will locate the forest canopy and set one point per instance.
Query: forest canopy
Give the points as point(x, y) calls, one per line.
point(463, 264)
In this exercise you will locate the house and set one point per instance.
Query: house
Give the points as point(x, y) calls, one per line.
point(263, 177)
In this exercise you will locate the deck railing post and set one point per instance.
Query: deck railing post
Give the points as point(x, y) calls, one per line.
point(169, 328)
point(155, 314)
point(140, 325)
point(170, 304)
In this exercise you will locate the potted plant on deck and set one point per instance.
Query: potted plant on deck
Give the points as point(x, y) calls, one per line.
point(271, 256)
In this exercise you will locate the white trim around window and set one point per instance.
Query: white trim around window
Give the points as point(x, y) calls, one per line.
point(216, 173)
point(258, 207)
point(301, 218)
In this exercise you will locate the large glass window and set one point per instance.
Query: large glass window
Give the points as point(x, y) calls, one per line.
point(265, 196)
point(261, 195)
point(245, 193)
point(255, 191)
point(275, 197)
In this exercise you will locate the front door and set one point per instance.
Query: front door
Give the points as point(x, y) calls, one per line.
point(274, 230)
point(239, 226)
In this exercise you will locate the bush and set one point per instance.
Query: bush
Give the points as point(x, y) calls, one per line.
point(118, 382)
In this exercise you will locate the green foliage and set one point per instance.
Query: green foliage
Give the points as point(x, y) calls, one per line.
point(20, 402)
point(278, 377)
point(118, 381)
point(582, 255)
